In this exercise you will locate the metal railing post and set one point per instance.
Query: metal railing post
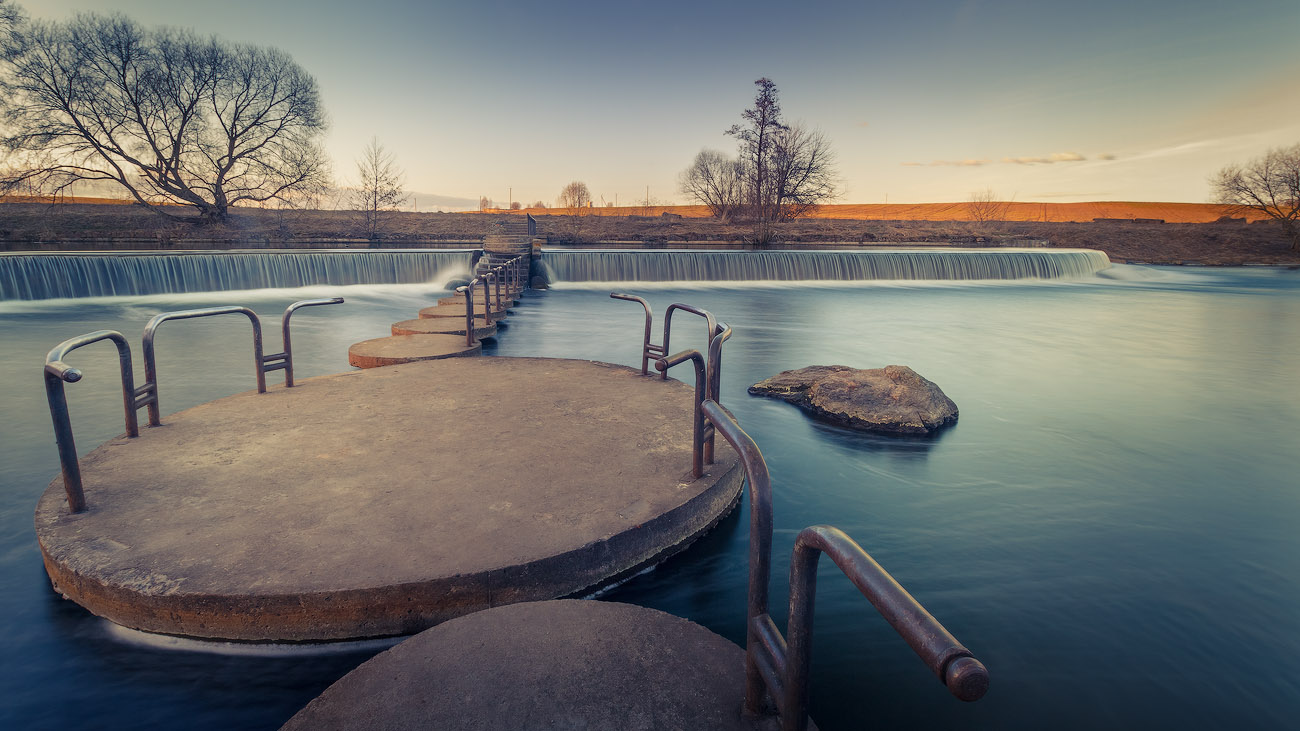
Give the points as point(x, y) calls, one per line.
point(760, 545)
point(958, 669)
point(56, 373)
point(150, 388)
point(714, 378)
point(697, 429)
point(468, 291)
point(284, 359)
point(647, 348)
point(709, 319)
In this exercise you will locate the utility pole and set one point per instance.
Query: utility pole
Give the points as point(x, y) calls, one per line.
point(510, 198)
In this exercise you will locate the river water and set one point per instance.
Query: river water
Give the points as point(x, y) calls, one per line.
point(1111, 526)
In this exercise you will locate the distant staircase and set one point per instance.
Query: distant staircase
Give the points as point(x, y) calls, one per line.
point(512, 236)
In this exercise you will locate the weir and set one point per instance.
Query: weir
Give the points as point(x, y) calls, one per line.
point(50, 276)
point(897, 264)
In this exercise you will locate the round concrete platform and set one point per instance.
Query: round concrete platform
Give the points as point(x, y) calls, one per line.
point(478, 302)
point(397, 349)
point(383, 501)
point(456, 311)
point(441, 326)
point(546, 665)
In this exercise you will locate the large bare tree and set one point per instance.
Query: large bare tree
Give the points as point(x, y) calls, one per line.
point(1268, 184)
point(172, 117)
point(380, 188)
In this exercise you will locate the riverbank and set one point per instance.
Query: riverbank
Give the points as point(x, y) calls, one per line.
point(83, 226)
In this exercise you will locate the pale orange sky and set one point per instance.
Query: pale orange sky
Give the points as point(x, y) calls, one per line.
point(1039, 101)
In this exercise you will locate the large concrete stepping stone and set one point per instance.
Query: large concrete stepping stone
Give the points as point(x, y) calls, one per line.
point(569, 664)
point(441, 326)
point(506, 301)
point(408, 349)
point(456, 311)
point(378, 502)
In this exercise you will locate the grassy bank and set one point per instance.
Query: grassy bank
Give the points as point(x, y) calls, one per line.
point(69, 226)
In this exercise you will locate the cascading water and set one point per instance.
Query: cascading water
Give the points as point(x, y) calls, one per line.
point(898, 264)
point(50, 276)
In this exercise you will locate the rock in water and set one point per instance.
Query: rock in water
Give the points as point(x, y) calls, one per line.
point(893, 399)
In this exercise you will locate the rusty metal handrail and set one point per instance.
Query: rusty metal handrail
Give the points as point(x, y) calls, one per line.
point(699, 426)
point(133, 399)
point(957, 668)
point(709, 319)
point(706, 388)
point(654, 351)
point(647, 348)
point(148, 393)
point(781, 670)
point(713, 379)
point(56, 374)
point(495, 274)
point(760, 544)
point(468, 291)
point(284, 360)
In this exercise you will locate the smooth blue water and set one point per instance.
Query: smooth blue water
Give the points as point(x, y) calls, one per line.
point(1111, 525)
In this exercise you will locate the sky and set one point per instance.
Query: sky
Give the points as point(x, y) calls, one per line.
point(923, 101)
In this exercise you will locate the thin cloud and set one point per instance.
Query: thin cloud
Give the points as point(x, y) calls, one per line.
point(864, 124)
point(969, 163)
point(1055, 157)
point(1106, 156)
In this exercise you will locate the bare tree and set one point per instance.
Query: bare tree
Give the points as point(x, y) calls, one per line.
point(484, 203)
point(516, 205)
point(757, 141)
point(802, 171)
point(1268, 184)
point(575, 196)
point(715, 180)
point(538, 204)
point(381, 185)
point(171, 117)
point(983, 206)
point(11, 16)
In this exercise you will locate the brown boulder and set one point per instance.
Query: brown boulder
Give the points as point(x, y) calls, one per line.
point(893, 399)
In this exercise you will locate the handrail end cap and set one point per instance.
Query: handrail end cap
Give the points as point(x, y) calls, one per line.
point(967, 679)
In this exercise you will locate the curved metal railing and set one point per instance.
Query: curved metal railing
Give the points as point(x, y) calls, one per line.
point(708, 380)
point(651, 350)
point(57, 372)
point(490, 280)
point(779, 670)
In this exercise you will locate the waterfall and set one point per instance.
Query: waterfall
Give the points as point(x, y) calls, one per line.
point(914, 264)
point(47, 276)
